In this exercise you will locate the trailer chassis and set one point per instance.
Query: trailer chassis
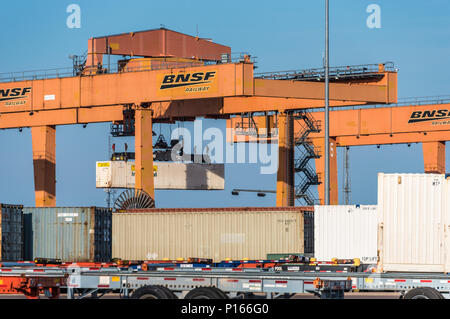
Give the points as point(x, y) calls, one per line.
point(236, 283)
point(241, 283)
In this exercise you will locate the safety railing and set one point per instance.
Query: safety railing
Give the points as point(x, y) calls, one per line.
point(36, 75)
point(90, 70)
point(413, 101)
point(420, 100)
point(134, 66)
point(335, 73)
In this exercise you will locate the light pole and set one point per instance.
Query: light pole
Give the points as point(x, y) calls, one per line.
point(327, 132)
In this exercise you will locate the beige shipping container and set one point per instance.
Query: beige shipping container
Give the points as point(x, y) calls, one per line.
point(217, 233)
point(413, 222)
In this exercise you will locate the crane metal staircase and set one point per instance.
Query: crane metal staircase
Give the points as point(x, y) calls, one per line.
point(305, 175)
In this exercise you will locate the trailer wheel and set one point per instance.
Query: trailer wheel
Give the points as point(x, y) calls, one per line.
point(205, 293)
point(247, 295)
point(221, 292)
point(150, 292)
point(169, 293)
point(423, 293)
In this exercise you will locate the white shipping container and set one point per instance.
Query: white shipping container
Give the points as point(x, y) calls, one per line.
point(114, 174)
point(447, 224)
point(414, 215)
point(216, 233)
point(345, 232)
point(168, 175)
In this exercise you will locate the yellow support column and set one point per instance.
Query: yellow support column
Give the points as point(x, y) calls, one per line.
point(320, 170)
point(144, 151)
point(285, 174)
point(44, 163)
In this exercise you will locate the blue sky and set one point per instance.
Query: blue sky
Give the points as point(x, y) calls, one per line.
point(282, 35)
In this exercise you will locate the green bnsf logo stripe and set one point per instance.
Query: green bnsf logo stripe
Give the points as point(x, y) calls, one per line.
point(15, 93)
point(187, 79)
point(423, 116)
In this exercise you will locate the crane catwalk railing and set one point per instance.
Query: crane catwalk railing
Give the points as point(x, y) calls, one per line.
point(315, 74)
point(335, 73)
point(80, 64)
point(407, 101)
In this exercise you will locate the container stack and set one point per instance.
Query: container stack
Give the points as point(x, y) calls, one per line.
point(11, 232)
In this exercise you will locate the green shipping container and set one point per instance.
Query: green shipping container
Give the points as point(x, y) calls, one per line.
point(72, 234)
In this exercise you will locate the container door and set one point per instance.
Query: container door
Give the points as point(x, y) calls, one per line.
point(12, 233)
point(103, 237)
point(412, 221)
point(58, 232)
point(308, 222)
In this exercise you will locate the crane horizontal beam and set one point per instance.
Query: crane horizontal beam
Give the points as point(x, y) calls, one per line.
point(212, 90)
point(384, 89)
point(387, 139)
point(371, 126)
point(62, 117)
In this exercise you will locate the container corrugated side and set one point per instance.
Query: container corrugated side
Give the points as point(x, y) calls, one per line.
point(412, 222)
point(11, 232)
point(78, 234)
point(345, 232)
point(207, 233)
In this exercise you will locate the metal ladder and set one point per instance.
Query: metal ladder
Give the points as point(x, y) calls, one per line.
point(79, 63)
point(305, 151)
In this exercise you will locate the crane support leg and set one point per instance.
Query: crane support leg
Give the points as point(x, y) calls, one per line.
point(44, 162)
point(285, 174)
point(320, 169)
point(434, 157)
point(144, 151)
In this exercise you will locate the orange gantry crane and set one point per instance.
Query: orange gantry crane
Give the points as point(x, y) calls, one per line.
point(169, 76)
point(423, 121)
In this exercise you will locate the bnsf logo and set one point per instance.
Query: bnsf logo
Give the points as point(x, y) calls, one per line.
point(178, 80)
point(15, 93)
point(422, 116)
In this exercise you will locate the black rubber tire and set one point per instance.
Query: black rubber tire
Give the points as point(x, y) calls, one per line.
point(204, 293)
point(423, 293)
point(221, 292)
point(149, 292)
point(247, 295)
point(168, 292)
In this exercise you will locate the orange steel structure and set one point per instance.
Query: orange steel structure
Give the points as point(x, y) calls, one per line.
point(32, 284)
point(427, 124)
point(165, 93)
point(154, 43)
